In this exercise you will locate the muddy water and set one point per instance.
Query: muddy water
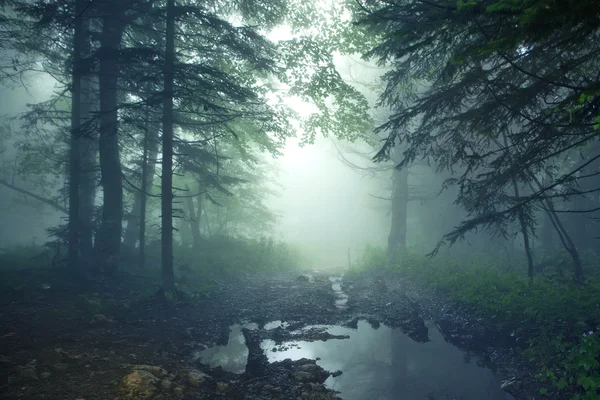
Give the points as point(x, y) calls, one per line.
point(378, 364)
point(341, 298)
point(382, 364)
point(386, 364)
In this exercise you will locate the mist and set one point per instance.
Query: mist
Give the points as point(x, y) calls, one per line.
point(325, 207)
point(310, 200)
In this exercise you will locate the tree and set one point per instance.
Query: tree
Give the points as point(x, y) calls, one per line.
point(168, 278)
point(491, 66)
point(74, 151)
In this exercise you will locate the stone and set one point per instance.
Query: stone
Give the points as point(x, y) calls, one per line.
point(154, 370)
point(312, 369)
point(178, 391)
point(197, 378)
point(303, 376)
point(166, 385)
point(139, 384)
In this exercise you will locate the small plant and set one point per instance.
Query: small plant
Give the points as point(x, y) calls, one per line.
point(93, 304)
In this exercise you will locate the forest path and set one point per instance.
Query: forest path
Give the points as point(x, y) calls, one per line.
point(147, 349)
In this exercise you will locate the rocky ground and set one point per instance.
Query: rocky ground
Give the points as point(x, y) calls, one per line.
point(126, 344)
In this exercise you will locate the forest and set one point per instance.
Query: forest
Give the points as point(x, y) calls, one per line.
point(287, 199)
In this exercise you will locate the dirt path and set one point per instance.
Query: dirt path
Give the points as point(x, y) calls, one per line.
point(51, 348)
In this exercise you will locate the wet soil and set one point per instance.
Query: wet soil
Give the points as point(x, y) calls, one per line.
point(58, 343)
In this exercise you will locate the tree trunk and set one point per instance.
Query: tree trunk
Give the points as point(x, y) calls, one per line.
point(197, 225)
point(147, 178)
point(134, 218)
point(108, 241)
point(168, 279)
point(185, 233)
point(563, 234)
point(521, 218)
point(397, 236)
point(74, 156)
point(207, 219)
point(525, 233)
point(88, 160)
point(567, 242)
point(194, 213)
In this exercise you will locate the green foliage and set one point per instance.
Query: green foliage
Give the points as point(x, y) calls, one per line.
point(558, 317)
point(23, 257)
point(221, 256)
point(462, 4)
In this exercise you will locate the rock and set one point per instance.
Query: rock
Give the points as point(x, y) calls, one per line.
point(352, 324)
point(312, 369)
point(303, 376)
point(197, 378)
point(139, 384)
point(178, 391)
point(46, 374)
point(336, 373)
point(154, 370)
point(317, 387)
point(166, 385)
point(222, 386)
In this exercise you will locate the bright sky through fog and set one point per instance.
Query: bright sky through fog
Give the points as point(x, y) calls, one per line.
point(325, 206)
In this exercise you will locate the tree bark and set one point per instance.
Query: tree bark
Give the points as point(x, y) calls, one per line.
point(185, 233)
point(147, 178)
point(194, 212)
point(134, 218)
point(397, 236)
point(168, 279)
point(108, 241)
point(88, 158)
point(74, 156)
point(196, 227)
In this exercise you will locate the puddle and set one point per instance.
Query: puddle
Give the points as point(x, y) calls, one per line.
point(385, 364)
point(381, 364)
point(233, 357)
point(341, 298)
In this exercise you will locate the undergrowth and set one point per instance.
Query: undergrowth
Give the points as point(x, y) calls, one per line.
point(560, 319)
point(198, 271)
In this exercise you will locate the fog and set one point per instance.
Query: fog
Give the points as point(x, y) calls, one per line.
point(24, 220)
point(326, 207)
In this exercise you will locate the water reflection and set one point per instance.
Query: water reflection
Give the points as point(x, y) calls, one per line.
point(377, 364)
point(341, 298)
point(232, 358)
point(385, 364)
